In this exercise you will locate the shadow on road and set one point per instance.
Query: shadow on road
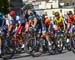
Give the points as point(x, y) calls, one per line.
point(47, 54)
point(17, 56)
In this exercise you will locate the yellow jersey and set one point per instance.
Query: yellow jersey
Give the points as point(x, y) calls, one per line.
point(59, 21)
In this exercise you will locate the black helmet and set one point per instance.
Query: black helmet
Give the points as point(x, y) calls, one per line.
point(70, 13)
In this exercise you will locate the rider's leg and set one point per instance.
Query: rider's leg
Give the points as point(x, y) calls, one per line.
point(20, 37)
point(68, 32)
point(47, 36)
point(27, 27)
point(21, 41)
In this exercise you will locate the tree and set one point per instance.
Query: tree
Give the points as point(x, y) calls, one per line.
point(28, 6)
point(4, 4)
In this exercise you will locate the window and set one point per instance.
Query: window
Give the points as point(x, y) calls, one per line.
point(73, 3)
point(55, 0)
point(67, 4)
point(51, 6)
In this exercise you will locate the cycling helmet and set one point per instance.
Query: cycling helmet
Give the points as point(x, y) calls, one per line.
point(12, 13)
point(70, 13)
point(56, 14)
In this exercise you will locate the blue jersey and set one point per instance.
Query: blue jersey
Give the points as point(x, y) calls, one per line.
point(2, 17)
point(39, 20)
point(30, 18)
point(19, 19)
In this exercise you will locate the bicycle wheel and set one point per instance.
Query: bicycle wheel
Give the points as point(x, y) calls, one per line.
point(7, 49)
point(32, 47)
point(68, 44)
point(52, 48)
point(59, 45)
point(73, 44)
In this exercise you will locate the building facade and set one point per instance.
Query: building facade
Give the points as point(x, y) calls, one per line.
point(45, 4)
point(16, 4)
point(67, 2)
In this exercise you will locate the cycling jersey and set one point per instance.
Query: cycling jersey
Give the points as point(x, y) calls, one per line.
point(39, 21)
point(30, 20)
point(9, 20)
point(65, 19)
point(70, 20)
point(21, 22)
point(19, 19)
point(39, 24)
point(59, 21)
point(47, 22)
point(2, 17)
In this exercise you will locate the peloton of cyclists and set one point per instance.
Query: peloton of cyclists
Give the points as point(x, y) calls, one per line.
point(42, 25)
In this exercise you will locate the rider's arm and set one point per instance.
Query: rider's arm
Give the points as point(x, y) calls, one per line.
point(63, 23)
point(10, 27)
point(35, 22)
point(19, 25)
point(49, 25)
point(54, 21)
point(49, 28)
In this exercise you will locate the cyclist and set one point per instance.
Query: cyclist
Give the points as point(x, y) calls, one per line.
point(46, 28)
point(27, 19)
point(10, 21)
point(71, 21)
point(58, 22)
point(34, 21)
point(37, 20)
point(19, 30)
point(1, 23)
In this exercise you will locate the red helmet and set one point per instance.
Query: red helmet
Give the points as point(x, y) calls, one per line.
point(12, 13)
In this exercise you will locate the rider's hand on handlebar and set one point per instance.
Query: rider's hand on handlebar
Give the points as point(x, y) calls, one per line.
point(33, 26)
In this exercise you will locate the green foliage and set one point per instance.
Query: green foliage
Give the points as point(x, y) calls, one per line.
point(28, 6)
point(4, 6)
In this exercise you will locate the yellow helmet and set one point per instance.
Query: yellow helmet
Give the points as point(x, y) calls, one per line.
point(56, 14)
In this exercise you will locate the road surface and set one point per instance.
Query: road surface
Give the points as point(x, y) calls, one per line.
point(64, 56)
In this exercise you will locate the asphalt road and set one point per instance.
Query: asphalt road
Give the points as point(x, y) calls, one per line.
point(66, 55)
